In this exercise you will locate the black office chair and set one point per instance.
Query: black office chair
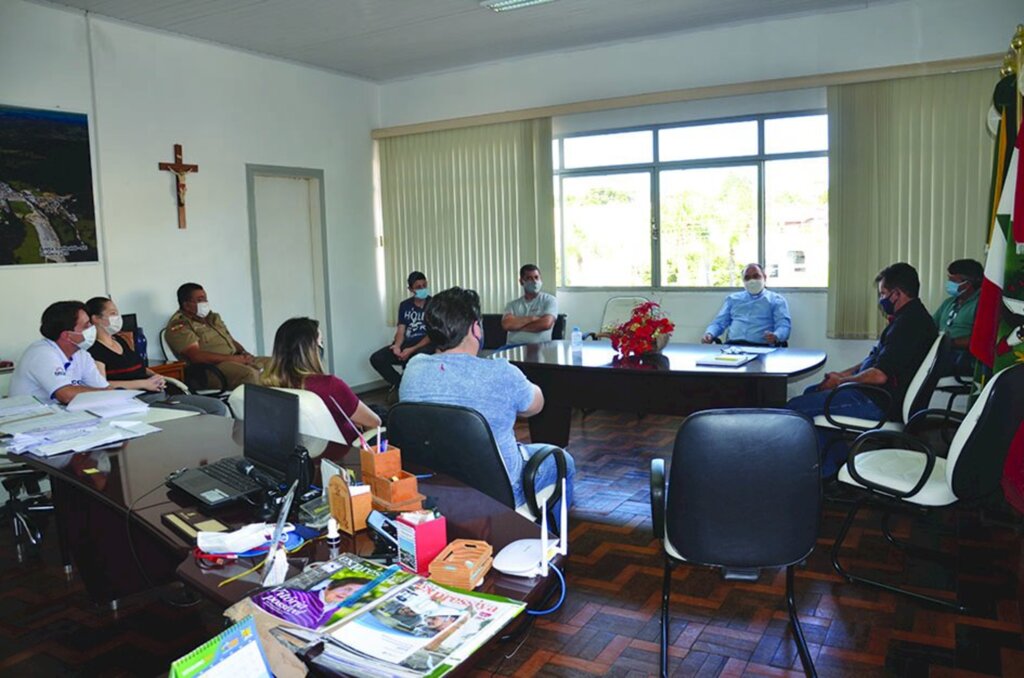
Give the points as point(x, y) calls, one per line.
point(201, 378)
point(25, 497)
point(558, 330)
point(896, 469)
point(744, 494)
point(740, 342)
point(457, 441)
point(495, 335)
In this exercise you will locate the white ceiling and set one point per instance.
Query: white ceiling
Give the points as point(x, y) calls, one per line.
point(383, 40)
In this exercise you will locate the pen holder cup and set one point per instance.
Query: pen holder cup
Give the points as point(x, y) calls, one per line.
point(350, 510)
point(382, 465)
point(395, 489)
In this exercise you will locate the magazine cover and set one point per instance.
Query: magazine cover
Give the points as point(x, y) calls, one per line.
point(313, 599)
point(423, 628)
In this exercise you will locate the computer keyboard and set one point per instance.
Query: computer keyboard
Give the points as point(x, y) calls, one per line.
point(226, 471)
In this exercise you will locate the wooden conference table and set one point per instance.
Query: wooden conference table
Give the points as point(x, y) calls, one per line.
point(667, 383)
point(93, 491)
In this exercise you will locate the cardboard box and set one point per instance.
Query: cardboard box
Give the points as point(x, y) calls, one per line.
point(418, 545)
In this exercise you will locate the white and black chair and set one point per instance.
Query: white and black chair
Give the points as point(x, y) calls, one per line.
point(897, 470)
point(917, 398)
point(744, 493)
point(458, 442)
point(200, 378)
point(617, 310)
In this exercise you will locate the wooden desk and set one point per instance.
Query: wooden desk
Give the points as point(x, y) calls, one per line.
point(669, 383)
point(174, 370)
point(93, 490)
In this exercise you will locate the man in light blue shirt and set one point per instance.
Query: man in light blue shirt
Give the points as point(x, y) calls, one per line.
point(753, 316)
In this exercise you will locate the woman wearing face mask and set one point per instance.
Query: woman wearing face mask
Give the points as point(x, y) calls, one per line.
point(123, 367)
point(296, 363)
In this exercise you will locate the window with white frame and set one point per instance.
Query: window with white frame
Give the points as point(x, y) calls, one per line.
point(687, 205)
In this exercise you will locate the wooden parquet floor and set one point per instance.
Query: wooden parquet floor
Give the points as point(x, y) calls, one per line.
point(608, 624)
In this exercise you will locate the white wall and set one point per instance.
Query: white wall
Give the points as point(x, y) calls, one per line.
point(227, 108)
point(879, 35)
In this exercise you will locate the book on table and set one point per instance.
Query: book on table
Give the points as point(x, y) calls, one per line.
point(402, 625)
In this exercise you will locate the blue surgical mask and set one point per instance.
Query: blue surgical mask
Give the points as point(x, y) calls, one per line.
point(532, 287)
point(887, 305)
point(953, 288)
point(422, 293)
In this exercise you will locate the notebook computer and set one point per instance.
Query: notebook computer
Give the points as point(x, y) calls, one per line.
point(270, 433)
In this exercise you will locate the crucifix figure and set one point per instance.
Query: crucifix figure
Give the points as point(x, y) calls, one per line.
point(179, 169)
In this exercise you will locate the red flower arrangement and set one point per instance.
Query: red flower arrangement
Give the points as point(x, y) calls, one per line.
point(646, 331)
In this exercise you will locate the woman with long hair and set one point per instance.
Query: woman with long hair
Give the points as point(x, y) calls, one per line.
point(296, 363)
point(122, 367)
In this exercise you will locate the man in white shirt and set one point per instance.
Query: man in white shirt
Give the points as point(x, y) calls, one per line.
point(59, 367)
point(529, 319)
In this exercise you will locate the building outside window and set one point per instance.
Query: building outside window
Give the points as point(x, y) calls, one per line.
point(687, 205)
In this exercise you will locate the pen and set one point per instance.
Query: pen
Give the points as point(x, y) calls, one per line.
point(368, 586)
point(362, 440)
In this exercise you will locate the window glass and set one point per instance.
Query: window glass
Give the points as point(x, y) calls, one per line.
point(602, 150)
point(607, 230)
point(796, 222)
point(708, 225)
point(795, 135)
point(696, 142)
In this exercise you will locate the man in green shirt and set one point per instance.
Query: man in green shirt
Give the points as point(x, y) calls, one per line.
point(955, 315)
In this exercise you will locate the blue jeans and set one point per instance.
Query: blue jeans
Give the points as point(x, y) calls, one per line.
point(547, 474)
point(847, 403)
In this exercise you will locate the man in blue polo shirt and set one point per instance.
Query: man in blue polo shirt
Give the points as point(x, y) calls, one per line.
point(755, 316)
point(410, 332)
point(59, 367)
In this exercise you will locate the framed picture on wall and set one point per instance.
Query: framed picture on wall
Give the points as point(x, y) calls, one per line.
point(46, 207)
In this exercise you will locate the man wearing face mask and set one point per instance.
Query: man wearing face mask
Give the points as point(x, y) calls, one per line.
point(495, 388)
point(891, 365)
point(59, 367)
point(410, 332)
point(755, 316)
point(198, 335)
point(955, 315)
point(529, 319)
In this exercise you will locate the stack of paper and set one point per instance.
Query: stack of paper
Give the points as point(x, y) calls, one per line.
point(108, 404)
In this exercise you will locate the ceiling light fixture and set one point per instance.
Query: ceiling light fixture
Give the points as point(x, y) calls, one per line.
point(506, 5)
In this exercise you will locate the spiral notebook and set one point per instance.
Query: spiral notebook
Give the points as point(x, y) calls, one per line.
point(235, 652)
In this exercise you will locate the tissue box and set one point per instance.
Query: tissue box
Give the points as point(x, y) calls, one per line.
point(419, 544)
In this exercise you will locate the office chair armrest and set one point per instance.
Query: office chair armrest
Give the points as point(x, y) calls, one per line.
point(211, 370)
point(908, 442)
point(530, 477)
point(590, 335)
point(867, 388)
point(950, 420)
point(178, 385)
point(658, 497)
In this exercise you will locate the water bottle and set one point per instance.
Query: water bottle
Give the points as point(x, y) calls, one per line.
point(140, 346)
point(576, 339)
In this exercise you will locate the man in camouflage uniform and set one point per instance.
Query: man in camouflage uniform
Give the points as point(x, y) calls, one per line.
point(198, 335)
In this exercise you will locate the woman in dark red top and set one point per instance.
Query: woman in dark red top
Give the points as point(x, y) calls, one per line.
point(298, 346)
point(122, 367)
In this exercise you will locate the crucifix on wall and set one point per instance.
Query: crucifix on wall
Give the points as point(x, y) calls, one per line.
point(179, 169)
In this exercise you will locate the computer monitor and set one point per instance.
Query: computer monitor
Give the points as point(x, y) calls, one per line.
point(270, 428)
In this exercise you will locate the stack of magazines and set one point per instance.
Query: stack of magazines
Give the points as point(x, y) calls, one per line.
point(358, 618)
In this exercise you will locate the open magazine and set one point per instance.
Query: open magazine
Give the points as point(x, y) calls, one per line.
point(416, 628)
point(324, 595)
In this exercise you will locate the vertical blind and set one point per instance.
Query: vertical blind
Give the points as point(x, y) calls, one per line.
point(468, 207)
point(909, 164)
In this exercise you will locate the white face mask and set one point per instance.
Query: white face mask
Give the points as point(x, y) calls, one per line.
point(88, 338)
point(754, 285)
point(114, 324)
point(203, 309)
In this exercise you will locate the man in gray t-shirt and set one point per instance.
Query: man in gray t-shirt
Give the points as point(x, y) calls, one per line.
point(529, 319)
point(497, 389)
